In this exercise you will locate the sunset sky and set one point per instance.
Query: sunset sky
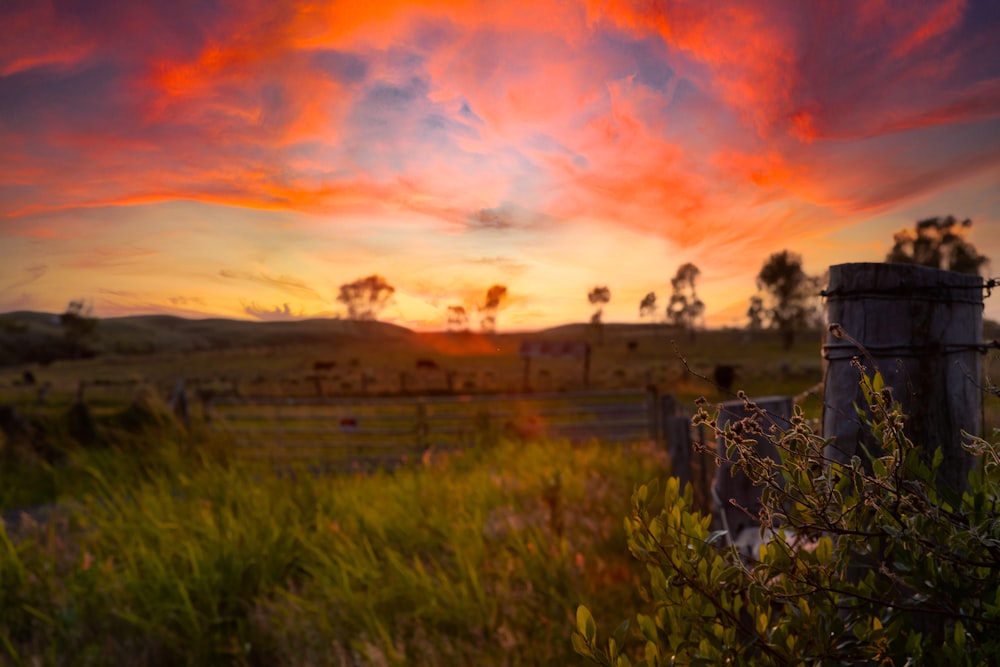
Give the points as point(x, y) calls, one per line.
point(245, 158)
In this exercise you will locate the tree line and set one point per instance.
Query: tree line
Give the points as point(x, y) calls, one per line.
point(787, 298)
point(365, 299)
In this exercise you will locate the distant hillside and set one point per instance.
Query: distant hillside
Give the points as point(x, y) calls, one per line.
point(613, 330)
point(30, 337)
point(991, 330)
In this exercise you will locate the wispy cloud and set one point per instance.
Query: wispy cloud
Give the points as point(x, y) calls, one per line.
point(112, 256)
point(282, 313)
point(186, 300)
point(282, 283)
point(30, 275)
point(507, 265)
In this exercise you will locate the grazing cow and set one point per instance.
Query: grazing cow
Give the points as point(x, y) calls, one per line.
point(724, 376)
point(633, 345)
point(28, 377)
point(324, 366)
point(427, 364)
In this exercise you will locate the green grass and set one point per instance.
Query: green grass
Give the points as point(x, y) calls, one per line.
point(478, 558)
point(173, 554)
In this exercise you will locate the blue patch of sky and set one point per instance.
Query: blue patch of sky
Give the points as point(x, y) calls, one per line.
point(440, 123)
point(430, 34)
point(78, 98)
point(14, 196)
point(341, 66)
point(644, 59)
point(548, 144)
point(466, 112)
point(275, 112)
point(981, 20)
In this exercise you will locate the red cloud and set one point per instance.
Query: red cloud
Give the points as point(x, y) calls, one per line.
point(445, 109)
point(34, 37)
point(816, 71)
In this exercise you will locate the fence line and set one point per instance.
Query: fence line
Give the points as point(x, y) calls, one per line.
point(347, 428)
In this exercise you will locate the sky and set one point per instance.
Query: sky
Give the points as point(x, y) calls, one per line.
point(245, 158)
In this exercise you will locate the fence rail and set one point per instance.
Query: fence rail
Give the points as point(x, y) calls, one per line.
point(394, 427)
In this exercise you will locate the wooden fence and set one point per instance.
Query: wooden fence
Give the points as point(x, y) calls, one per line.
point(377, 429)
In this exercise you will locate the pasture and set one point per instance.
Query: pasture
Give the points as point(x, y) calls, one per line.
point(330, 359)
point(478, 557)
point(219, 358)
point(169, 545)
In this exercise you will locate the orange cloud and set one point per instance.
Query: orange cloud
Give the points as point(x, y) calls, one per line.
point(484, 126)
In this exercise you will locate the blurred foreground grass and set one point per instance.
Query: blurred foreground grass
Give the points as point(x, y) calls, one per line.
point(171, 557)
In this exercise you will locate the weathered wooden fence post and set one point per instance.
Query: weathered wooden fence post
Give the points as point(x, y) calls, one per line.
point(677, 430)
point(676, 433)
point(777, 411)
point(178, 403)
point(922, 329)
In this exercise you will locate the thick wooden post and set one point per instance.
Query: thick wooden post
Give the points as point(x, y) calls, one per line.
point(738, 488)
point(678, 434)
point(922, 329)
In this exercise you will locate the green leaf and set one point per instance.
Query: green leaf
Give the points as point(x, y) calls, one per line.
point(959, 635)
point(647, 627)
point(656, 529)
point(824, 549)
point(581, 647)
point(878, 384)
point(938, 458)
point(878, 468)
point(620, 632)
point(652, 654)
point(641, 495)
point(585, 624)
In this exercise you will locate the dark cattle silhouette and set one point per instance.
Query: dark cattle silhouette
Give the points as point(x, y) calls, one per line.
point(324, 365)
point(724, 376)
point(633, 345)
point(427, 364)
point(28, 377)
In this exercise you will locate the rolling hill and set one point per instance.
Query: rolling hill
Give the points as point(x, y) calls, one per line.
point(32, 337)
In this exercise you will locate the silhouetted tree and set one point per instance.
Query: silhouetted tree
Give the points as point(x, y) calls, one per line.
point(366, 297)
point(756, 313)
point(685, 308)
point(79, 325)
point(788, 299)
point(647, 307)
point(939, 243)
point(458, 319)
point(599, 296)
point(494, 296)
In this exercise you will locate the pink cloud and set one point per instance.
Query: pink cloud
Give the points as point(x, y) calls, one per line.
point(725, 124)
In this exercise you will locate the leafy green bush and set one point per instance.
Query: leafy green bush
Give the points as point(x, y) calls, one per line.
point(867, 562)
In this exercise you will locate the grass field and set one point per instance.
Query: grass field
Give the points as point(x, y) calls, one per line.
point(384, 361)
point(165, 549)
point(217, 359)
point(478, 558)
